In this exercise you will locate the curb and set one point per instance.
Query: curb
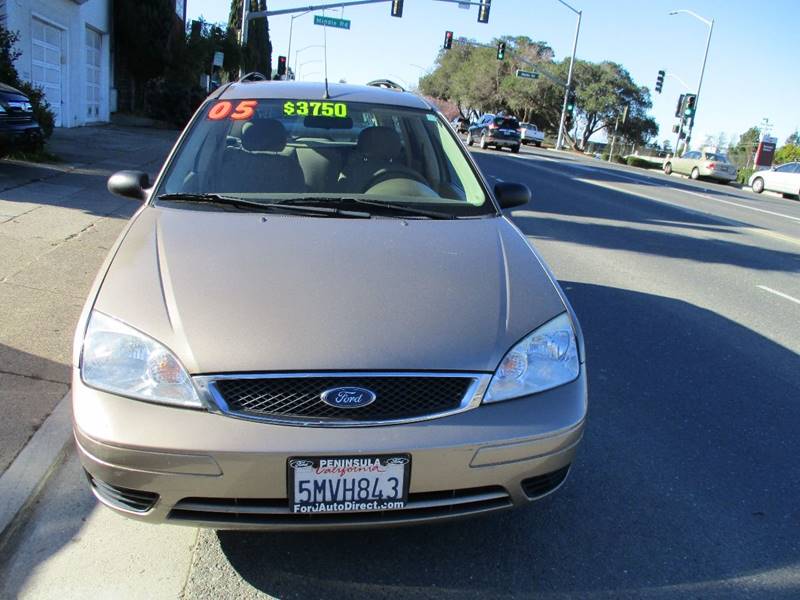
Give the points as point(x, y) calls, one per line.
point(22, 481)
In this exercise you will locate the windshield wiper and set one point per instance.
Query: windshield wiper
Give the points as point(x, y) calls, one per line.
point(264, 206)
point(397, 208)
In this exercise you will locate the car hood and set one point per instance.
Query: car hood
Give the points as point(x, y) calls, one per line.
point(236, 292)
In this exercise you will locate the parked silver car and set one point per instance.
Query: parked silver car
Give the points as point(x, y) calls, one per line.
point(698, 164)
point(309, 330)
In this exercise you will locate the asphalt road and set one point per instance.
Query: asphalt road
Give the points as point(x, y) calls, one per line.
point(687, 483)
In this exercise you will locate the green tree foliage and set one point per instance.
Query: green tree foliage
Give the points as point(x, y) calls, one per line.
point(8, 74)
point(794, 138)
point(477, 82)
point(787, 153)
point(257, 54)
point(741, 153)
point(146, 31)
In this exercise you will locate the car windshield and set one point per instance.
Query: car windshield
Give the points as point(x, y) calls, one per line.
point(506, 122)
point(277, 150)
point(717, 157)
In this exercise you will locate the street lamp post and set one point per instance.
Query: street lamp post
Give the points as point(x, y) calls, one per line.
point(297, 52)
point(291, 26)
point(710, 25)
point(560, 139)
point(308, 62)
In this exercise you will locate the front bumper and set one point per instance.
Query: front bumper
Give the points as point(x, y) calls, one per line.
point(20, 134)
point(197, 468)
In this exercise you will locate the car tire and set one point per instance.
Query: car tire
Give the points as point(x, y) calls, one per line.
point(538, 144)
point(758, 185)
point(515, 149)
point(668, 169)
point(483, 142)
point(695, 173)
point(469, 139)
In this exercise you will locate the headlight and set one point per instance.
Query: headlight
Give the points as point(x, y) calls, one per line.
point(117, 358)
point(547, 358)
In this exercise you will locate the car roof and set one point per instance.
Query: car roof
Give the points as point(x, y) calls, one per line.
point(309, 90)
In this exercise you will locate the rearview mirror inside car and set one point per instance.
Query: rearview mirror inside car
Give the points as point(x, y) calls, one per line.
point(130, 184)
point(510, 195)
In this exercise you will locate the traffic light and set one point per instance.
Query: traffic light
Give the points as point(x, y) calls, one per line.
point(483, 11)
point(691, 101)
point(397, 8)
point(660, 81)
point(448, 40)
point(281, 66)
point(679, 108)
point(501, 51)
point(570, 101)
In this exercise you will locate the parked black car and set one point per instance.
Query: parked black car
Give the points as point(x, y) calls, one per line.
point(495, 130)
point(19, 130)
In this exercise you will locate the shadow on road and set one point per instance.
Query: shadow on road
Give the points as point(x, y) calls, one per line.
point(686, 484)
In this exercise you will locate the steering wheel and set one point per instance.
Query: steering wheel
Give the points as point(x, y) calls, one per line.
point(395, 173)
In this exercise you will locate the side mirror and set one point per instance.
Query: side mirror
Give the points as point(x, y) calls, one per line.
point(130, 184)
point(510, 195)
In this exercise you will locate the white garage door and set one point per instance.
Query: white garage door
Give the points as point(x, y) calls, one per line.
point(46, 58)
point(94, 44)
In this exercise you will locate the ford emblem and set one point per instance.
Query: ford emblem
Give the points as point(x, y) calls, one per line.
point(348, 397)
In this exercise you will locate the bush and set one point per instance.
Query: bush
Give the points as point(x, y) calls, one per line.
point(41, 107)
point(172, 101)
point(743, 176)
point(8, 74)
point(635, 161)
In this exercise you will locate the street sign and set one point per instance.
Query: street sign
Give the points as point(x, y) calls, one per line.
point(331, 22)
point(219, 59)
point(465, 5)
point(527, 74)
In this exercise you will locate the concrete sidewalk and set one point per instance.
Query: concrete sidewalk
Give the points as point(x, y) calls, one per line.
point(70, 547)
point(57, 223)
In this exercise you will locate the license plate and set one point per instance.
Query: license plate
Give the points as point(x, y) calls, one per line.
point(348, 483)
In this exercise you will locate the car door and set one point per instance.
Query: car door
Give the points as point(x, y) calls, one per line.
point(679, 162)
point(780, 179)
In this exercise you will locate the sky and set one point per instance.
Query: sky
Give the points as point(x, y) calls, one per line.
point(752, 71)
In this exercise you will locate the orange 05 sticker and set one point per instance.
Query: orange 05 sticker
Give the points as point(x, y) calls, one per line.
point(222, 110)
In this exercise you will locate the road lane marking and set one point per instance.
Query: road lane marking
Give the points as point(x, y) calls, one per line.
point(692, 211)
point(777, 293)
point(769, 212)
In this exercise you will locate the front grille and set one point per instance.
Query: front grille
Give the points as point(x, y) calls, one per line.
point(124, 498)
point(396, 398)
point(543, 484)
point(275, 512)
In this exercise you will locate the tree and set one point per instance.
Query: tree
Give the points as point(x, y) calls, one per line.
point(794, 138)
point(787, 153)
point(257, 54)
point(741, 153)
point(667, 145)
point(473, 78)
point(145, 34)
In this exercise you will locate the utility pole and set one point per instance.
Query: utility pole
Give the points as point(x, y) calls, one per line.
point(560, 139)
point(710, 25)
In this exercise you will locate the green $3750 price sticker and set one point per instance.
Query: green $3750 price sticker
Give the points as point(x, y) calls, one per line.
point(316, 108)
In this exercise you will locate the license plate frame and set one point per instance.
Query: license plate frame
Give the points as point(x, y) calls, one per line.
point(354, 466)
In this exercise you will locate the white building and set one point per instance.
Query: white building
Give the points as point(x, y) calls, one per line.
point(65, 47)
